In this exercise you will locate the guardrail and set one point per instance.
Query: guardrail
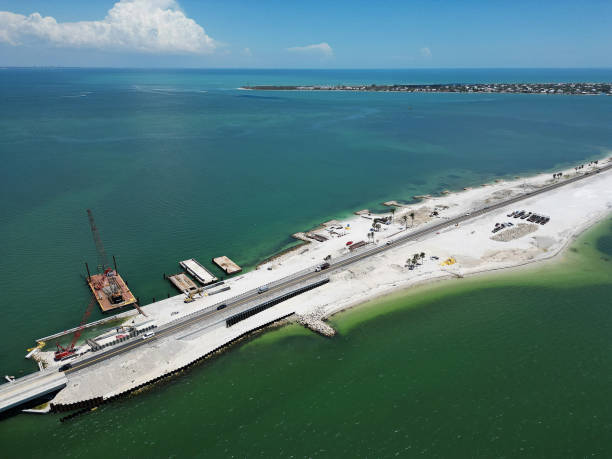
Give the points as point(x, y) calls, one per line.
point(232, 320)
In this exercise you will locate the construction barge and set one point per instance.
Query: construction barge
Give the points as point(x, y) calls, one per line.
point(227, 265)
point(182, 283)
point(199, 272)
point(110, 290)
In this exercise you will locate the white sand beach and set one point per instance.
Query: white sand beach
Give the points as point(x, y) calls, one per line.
point(472, 245)
point(469, 247)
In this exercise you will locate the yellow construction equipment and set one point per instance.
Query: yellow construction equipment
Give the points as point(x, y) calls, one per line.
point(40, 345)
point(448, 262)
point(191, 295)
point(189, 299)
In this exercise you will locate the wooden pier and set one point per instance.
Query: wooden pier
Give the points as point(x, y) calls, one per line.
point(227, 265)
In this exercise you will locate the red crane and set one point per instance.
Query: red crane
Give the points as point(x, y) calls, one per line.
point(63, 352)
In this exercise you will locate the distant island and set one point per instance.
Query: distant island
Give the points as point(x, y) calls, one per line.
point(514, 88)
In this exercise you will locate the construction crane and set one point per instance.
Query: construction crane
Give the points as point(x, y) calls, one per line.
point(107, 282)
point(63, 352)
point(112, 290)
point(102, 261)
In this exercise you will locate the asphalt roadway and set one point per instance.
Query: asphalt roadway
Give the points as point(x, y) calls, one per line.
point(255, 297)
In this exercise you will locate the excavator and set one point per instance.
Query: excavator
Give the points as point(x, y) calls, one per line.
point(191, 295)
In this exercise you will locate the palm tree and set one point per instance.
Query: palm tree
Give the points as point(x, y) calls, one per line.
point(412, 217)
point(392, 213)
point(378, 227)
point(405, 220)
point(422, 255)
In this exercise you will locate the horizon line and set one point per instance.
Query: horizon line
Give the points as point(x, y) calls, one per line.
point(3, 67)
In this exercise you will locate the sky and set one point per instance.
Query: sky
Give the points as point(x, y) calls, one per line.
point(299, 34)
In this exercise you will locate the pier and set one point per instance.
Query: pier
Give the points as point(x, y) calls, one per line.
point(116, 318)
point(227, 265)
point(199, 272)
point(183, 283)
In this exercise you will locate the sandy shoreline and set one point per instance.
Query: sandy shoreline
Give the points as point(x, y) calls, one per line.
point(414, 203)
point(545, 244)
point(553, 258)
point(463, 250)
point(470, 245)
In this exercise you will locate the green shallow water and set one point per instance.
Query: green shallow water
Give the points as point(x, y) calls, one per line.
point(505, 365)
point(179, 164)
point(166, 159)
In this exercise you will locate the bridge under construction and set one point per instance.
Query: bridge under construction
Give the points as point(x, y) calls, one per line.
point(154, 346)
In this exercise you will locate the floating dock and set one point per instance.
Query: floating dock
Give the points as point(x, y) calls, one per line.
point(201, 274)
point(110, 291)
point(227, 265)
point(183, 283)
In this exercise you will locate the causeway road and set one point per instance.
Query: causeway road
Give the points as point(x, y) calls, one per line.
point(253, 297)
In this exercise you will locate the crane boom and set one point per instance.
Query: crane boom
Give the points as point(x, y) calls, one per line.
point(102, 261)
point(63, 352)
point(77, 333)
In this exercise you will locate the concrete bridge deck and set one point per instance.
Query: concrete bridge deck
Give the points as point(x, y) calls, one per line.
point(29, 388)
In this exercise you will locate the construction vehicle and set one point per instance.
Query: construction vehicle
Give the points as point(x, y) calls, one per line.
point(448, 262)
point(321, 267)
point(39, 345)
point(191, 295)
point(68, 351)
point(34, 350)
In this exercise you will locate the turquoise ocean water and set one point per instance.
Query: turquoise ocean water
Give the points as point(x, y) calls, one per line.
point(179, 164)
